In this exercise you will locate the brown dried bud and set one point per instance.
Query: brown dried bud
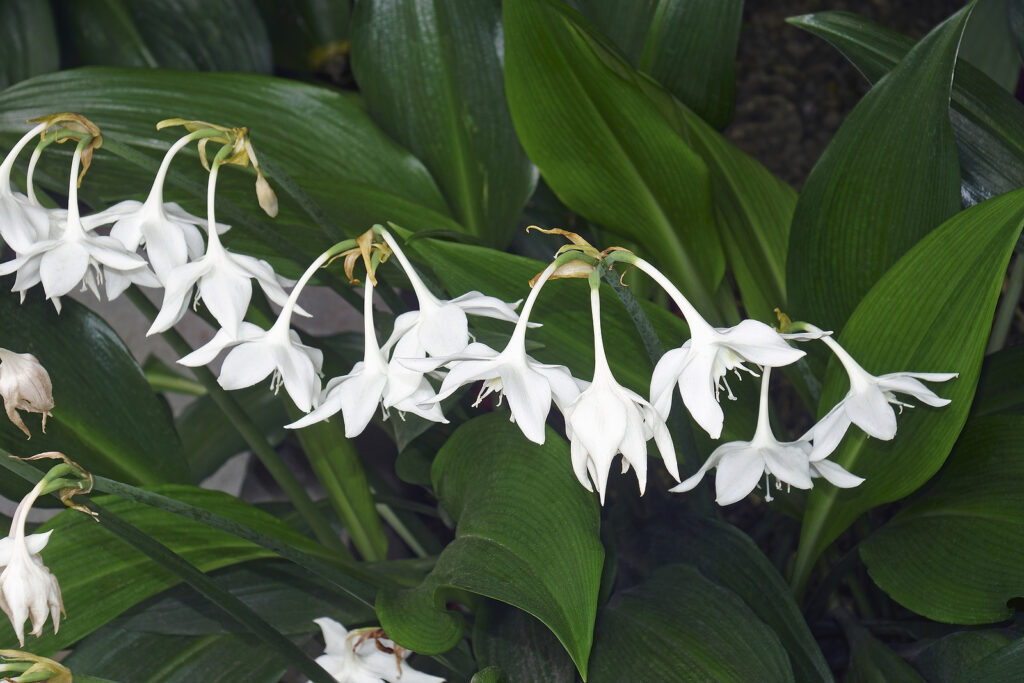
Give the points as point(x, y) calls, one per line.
point(24, 385)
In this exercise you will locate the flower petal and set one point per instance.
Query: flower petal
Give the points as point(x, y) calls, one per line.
point(529, 398)
point(697, 386)
point(869, 410)
point(62, 268)
point(905, 383)
point(835, 474)
point(245, 365)
point(665, 377)
point(759, 343)
point(789, 464)
point(738, 472)
point(444, 330)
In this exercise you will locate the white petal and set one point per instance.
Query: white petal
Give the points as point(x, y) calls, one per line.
point(869, 410)
point(697, 386)
point(475, 303)
point(737, 474)
point(666, 376)
point(905, 383)
point(443, 331)
point(835, 474)
point(829, 431)
point(177, 291)
point(62, 268)
point(245, 365)
point(226, 293)
point(759, 343)
point(529, 399)
point(788, 464)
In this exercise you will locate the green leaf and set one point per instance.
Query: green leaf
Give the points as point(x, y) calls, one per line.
point(309, 35)
point(872, 661)
point(989, 46)
point(665, 40)
point(603, 146)
point(172, 34)
point(930, 313)
point(28, 41)
point(431, 74)
point(678, 626)
point(120, 654)
point(947, 659)
point(519, 646)
point(1002, 666)
point(527, 535)
point(105, 416)
point(999, 388)
point(988, 122)
point(954, 553)
point(889, 176)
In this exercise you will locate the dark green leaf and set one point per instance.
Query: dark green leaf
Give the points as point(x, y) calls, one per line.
point(527, 535)
point(28, 41)
point(678, 626)
point(105, 416)
point(1002, 666)
point(947, 659)
point(989, 46)
point(889, 176)
point(872, 661)
point(666, 39)
point(954, 553)
point(603, 146)
point(309, 35)
point(999, 388)
point(171, 34)
point(521, 647)
point(930, 313)
point(431, 74)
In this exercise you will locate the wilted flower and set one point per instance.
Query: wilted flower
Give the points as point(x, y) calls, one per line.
point(24, 385)
point(365, 656)
point(607, 419)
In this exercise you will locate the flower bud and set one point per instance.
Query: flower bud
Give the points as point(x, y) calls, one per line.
point(24, 385)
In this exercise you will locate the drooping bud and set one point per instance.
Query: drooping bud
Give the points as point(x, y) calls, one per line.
point(24, 385)
point(25, 667)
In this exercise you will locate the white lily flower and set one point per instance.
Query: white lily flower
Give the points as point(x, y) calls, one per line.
point(28, 590)
point(170, 234)
point(358, 393)
point(700, 365)
point(740, 464)
point(22, 224)
point(530, 386)
point(24, 385)
point(223, 280)
point(439, 328)
point(71, 255)
point(365, 656)
point(868, 403)
point(277, 351)
point(607, 419)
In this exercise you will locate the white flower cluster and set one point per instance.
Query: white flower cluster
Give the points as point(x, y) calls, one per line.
point(602, 418)
point(365, 656)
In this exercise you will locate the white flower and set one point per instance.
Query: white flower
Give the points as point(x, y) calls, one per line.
point(529, 386)
point(365, 656)
point(24, 385)
point(740, 464)
point(27, 588)
point(867, 403)
point(22, 224)
point(170, 234)
point(439, 328)
point(223, 280)
point(700, 365)
point(607, 419)
point(358, 393)
point(71, 255)
point(278, 351)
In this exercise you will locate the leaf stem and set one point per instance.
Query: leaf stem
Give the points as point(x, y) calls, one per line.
point(1004, 316)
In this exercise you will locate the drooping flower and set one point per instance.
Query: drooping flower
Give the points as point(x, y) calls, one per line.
point(607, 419)
point(223, 279)
point(366, 656)
point(700, 365)
point(22, 224)
point(71, 255)
point(868, 403)
point(741, 464)
point(358, 393)
point(28, 590)
point(24, 385)
point(528, 385)
point(277, 351)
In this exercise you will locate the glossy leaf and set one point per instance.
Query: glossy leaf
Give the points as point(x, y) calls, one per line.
point(1002, 666)
point(105, 416)
point(527, 535)
point(431, 74)
point(679, 626)
point(28, 41)
point(889, 176)
point(603, 146)
point(988, 122)
point(171, 34)
point(999, 388)
point(989, 46)
point(930, 313)
point(666, 39)
point(521, 647)
point(954, 553)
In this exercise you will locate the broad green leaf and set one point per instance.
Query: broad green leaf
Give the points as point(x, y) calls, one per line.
point(171, 34)
point(527, 535)
point(521, 647)
point(105, 416)
point(999, 388)
point(119, 654)
point(101, 576)
point(988, 122)
point(889, 176)
point(989, 46)
point(603, 146)
point(309, 35)
point(872, 661)
point(679, 626)
point(930, 313)
point(954, 553)
point(28, 41)
point(666, 39)
point(947, 659)
point(1002, 666)
point(1015, 14)
point(431, 74)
